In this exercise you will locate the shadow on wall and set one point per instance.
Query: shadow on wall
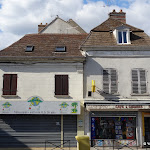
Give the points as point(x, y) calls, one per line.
point(93, 68)
point(108, 97)
point(90, 68)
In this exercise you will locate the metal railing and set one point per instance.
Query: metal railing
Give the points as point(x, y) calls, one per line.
point(59, 144)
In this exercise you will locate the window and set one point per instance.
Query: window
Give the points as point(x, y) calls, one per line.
point(29, 48)
point(61, 84)
point(110, 85)
point(139, 81)
point(9, 84)
point(60, 49)
point(122, 37)
point(113, 128)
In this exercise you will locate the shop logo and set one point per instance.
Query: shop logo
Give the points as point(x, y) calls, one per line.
point(63, 107)
point(35, 102)
point(6, 105)
point(74, 110)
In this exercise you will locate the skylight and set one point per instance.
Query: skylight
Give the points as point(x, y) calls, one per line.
point(29, 48)
point(60, 49)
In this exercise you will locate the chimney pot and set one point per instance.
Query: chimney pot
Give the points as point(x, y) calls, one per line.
point(114, 10)
point(120, 16)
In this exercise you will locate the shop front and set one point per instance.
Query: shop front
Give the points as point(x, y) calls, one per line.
point(31, 123)
point(146, 128)
point(116, 125)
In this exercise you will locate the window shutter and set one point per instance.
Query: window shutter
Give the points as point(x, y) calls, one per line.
point(65, 85)
point(135, 82)
point(13, 84)
point(58, 85)
point(142, 81)
point(114, 84)
point(106, 81)
point(6, 84)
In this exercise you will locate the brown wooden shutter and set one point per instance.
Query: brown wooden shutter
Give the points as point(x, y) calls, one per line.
point(114, 85)
point(13, 84)
point(142, 81)
point(135, 88)
point(6, 84)
point(58, 85)
point(105, 81)
point(64, 84)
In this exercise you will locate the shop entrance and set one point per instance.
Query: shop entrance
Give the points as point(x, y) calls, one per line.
point(147, 131)
point(111, 131)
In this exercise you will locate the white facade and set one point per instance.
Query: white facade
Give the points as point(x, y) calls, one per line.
point(123, 62)
point(39, 80)
point(61, 27)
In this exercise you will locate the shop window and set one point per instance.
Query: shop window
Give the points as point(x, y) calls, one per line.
point(110, 84)
point(61, 84)
point(139, 81)
point(9, 84)
point(118, 128)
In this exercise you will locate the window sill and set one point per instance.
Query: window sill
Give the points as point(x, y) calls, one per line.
point(61, 96)
point(146, 94)
point(9, 96)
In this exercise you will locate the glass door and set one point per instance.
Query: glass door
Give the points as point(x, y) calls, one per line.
point(147, 131)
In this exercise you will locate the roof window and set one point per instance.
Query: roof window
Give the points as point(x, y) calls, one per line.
point(29, 49)
point(122, 35)
point(60, 49)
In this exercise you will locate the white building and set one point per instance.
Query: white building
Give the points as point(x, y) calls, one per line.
point(42, 91)
point(117, 58)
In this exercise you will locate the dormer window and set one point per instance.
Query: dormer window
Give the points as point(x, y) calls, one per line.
point(29, 49)
point(60, 49)
point(122, 35)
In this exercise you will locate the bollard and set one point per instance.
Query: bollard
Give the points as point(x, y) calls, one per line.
point(83, 142)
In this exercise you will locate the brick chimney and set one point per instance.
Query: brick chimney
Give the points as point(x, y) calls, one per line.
point(41, 27)
point(121, 16)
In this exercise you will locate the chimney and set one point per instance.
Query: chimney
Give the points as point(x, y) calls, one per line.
point(41, 27)
point(120, 16)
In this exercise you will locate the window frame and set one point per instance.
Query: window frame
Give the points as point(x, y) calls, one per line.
point(122, 29)
point(139, 82)
point(63, 92)
point(10, 83)
point(58, 50)
point(31, 48)
point(110, 81)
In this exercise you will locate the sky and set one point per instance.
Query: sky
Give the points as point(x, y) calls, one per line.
point(20, 17)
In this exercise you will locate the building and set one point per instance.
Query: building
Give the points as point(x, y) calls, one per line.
point(117, 108)
point(61, 26)
point(42, 90)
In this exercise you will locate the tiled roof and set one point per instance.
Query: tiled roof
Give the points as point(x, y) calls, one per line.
point(102, 35)
point(45, 44)
point(111, 24)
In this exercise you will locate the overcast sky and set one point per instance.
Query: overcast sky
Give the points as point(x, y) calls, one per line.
point(20, 17)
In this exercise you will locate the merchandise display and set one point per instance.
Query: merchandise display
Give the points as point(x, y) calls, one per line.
point(113, 128)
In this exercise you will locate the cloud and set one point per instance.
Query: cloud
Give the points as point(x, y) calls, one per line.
point(19, 17)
